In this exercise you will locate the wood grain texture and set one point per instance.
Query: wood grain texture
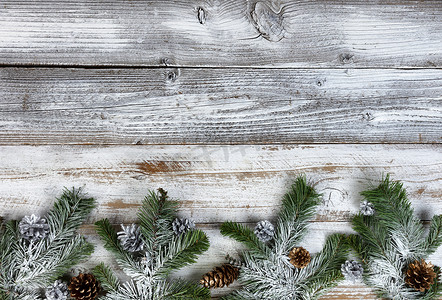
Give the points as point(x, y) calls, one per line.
point(219, 106)
point(243, 183)
point(221, 246)
point(325, 33)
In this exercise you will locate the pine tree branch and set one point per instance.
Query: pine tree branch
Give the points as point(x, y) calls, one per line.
point(107, 279)
point(111, 243)
point(183, 290)
point(434, 238)
point(325, 266)
point(156, 214)
point(298, 208)
point(68, 213)
point(183, 250)
point(246, 236)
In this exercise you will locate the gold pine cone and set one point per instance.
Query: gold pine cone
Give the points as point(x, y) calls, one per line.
point(420, 275)
point(299, 257)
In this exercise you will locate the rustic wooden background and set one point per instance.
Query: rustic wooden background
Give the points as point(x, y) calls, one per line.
point(223, 103)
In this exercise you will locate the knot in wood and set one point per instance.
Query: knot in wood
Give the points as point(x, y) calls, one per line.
point(201, 13)
point(171, 76)
point(269, 23)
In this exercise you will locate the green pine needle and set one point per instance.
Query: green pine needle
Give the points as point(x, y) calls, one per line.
point(246, 236)
point(183, 250)
point(434, 238)
point(106, 277)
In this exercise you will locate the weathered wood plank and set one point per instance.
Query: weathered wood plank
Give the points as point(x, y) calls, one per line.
point(220, 246)
point(325, 33)
point(244, 183)
point(234, 106)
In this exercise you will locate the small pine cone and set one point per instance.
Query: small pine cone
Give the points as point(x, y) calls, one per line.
point(183, 225)
point(130, 238)
point(33, 228)
point(84, 287)
point(420, 275)
point(220, 276)
point(299, 257)
point(235, 262)
point(352, 270)
point(57, 291)
point(366, 208)
point(265, 231)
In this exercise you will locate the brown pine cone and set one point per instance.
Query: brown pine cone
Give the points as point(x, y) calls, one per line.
point(84, 287)
point(299, 257)
point(220, 276)
point(420, 275)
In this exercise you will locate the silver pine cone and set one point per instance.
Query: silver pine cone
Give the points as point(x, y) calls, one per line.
point(180, 226)
point(352, 270)
point(33, 228)
point(265, 231)
point(57, 291)
point(366, 208)
point(130, 238)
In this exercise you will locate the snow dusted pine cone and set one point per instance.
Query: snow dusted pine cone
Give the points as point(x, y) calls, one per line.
point(33, 228)
point(352, 270)
point(57, 291)
point(367, 208)
point(265, 231)
point(130, 238)
point(183, 225)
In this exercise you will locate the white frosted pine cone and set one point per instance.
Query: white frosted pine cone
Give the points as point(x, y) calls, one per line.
point(352, 270)
point(130, 238)
point(33, 228)
point(265, 231)
point(367, 208)
point(180, 226)
point(57, 291)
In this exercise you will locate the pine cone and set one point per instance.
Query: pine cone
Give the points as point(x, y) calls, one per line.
point(367, 208)
point(299, 257)
point(33, 228)
point(180, 226)
point(130, 238)
point(84, 287)
point(57, 291)
point(352, 270)
point(265, 231)
point(420, 275)
point(220, 276)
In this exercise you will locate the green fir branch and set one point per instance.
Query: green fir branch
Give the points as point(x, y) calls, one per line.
point(109, 236)
point(182, 251)
point(183, 290)
point(298, 208)
point(68, 213)
point(156, 214)
point(246, 236)
point(106, 277)
point(434, 238)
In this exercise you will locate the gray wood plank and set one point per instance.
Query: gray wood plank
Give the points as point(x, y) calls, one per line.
point(212, 183)
point(219, 106)
point(323, 33)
